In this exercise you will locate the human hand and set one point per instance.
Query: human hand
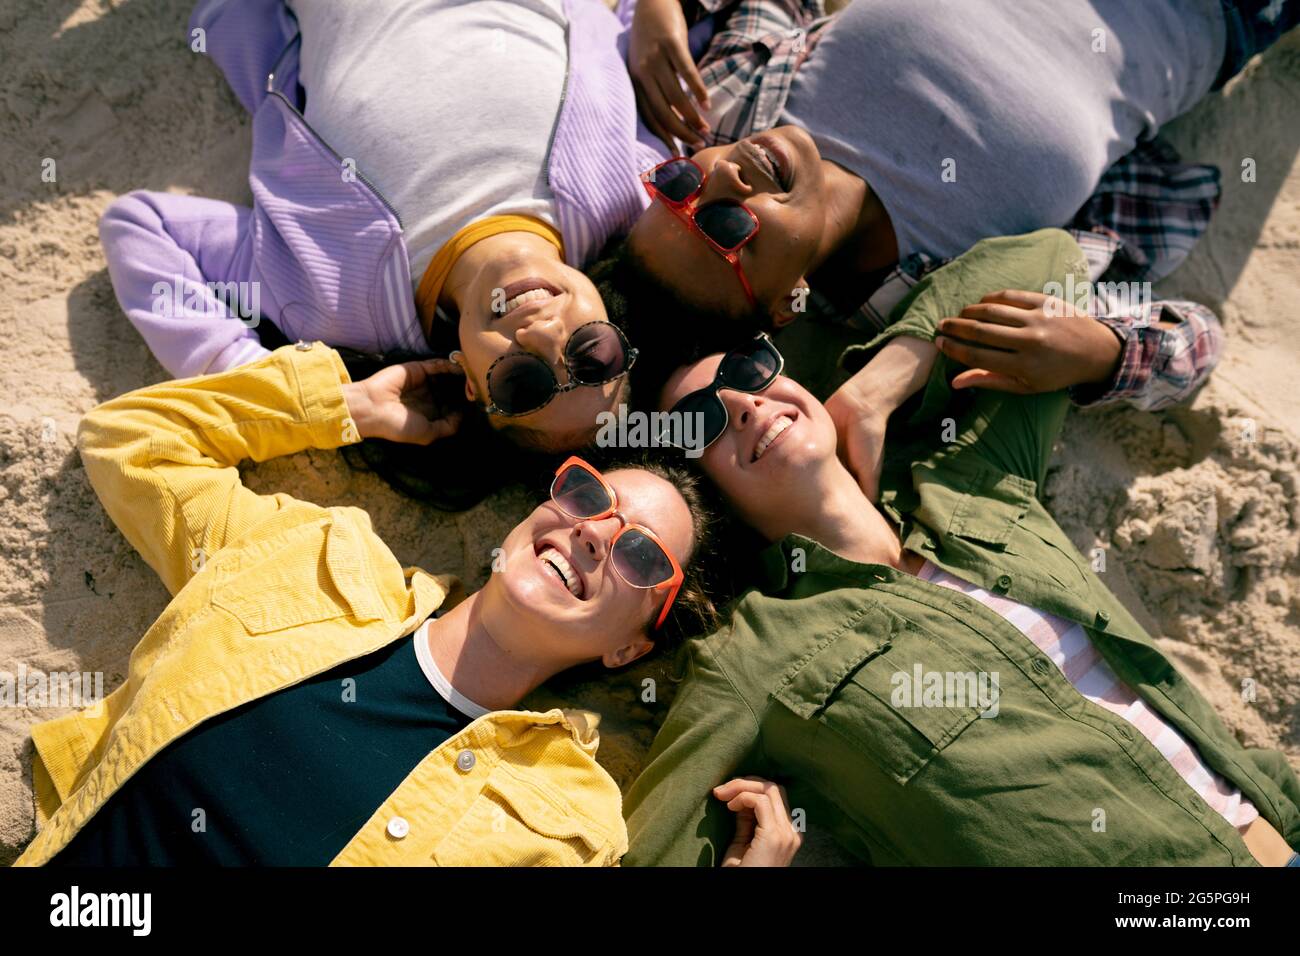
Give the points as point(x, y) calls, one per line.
point(1027, 342)
point(860, 425)
point(860, 408)
point(659, 60)
point(765, 835)
point(396, 403)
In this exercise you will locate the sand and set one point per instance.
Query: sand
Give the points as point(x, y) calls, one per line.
point(1196, 508)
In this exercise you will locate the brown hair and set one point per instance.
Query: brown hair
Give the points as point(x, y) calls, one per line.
point(695, 611)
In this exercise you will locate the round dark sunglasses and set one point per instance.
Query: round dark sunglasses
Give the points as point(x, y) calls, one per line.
point(749, 369)
point(520, 383)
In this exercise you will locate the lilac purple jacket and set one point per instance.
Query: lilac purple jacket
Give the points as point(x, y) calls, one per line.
point(319, 253)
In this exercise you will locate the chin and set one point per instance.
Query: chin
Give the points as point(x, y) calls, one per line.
point(531, 597)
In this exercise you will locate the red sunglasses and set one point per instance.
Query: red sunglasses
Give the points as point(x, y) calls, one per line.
point(638, 555)
point(725, 224)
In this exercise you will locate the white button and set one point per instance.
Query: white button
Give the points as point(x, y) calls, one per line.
point(302, 346)
point(465, 760)
point(398, 828)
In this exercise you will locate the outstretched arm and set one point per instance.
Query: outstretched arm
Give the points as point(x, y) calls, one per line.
point(659, 61)
point(163, 459)
point(674, 817)
point(901, 360)
point(1166, 354)
point(176, 267)
point(1026, 342)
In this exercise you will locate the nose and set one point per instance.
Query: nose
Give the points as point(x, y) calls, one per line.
point(728, 180)
point(742, 407)
point(593, 538)
point(543, 336)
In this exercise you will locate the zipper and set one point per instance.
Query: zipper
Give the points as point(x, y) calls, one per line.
point(270, 79)
point(564, 94)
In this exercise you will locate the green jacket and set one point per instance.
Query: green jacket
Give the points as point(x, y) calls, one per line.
point(798, 686)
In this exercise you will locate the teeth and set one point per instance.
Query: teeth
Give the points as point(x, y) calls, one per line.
point(773, 168)
point(773, 431)
point(564, 569)
point(532, 295)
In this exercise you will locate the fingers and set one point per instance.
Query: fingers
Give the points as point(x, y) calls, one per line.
point(977, 356)
point(763, 797)
point(650, 118)
point(741, 838)
point(725, 791)
point(996, 381)
point(416, 429)
point(997, 314)
point(671, 95)
point(680, 56)
point(676, 96)
point(1022, 298)
point(406, 376)
point(765, 834)
point(1006, 337)
point(442, 366)
point(760, 805)
point(421, 371)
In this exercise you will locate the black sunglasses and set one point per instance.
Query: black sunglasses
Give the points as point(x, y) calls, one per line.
point(520, 382)
point(749, 369)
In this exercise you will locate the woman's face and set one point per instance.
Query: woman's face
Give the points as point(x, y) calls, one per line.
point(779, 176)
point(557, 593)
point(766, 461)
point(532, 304)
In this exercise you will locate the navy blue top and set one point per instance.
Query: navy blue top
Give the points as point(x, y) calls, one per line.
point(286, 780)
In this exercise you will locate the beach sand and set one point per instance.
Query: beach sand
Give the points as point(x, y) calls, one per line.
point(1196, 509)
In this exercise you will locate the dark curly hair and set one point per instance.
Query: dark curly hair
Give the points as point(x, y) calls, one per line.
point(457, 472)
point(668, 330)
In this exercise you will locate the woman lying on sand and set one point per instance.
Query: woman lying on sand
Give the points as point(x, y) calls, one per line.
point(942, 679)
point(304, 701)
point(905, 133)
point(419, 167)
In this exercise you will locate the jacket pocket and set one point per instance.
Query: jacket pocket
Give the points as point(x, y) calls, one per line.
point(310, 574)
point(971, 500)
point(994, 508)
point(512, 822)
point(881, 705)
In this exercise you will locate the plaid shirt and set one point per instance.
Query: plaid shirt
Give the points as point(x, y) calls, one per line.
point(1167, 347)
point(1148, 212)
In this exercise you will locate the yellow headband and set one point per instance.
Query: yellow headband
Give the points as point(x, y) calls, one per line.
point(435, 276)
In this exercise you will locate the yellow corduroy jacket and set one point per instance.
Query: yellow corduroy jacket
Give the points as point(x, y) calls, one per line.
point(269, 591)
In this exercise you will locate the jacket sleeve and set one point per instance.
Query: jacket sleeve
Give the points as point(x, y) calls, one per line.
point(1037, 260)
point(709, 736)
point(1167, 351)
point(163, 459)
point(1013, 433)
point(245, 39)
point(173, 261)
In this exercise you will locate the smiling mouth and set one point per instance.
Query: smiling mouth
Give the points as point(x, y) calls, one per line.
point(559, 565)
point(525, 291)
point(773, 161)
point(779, 426)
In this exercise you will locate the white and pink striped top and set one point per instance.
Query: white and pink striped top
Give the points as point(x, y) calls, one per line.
point(1068, 646)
